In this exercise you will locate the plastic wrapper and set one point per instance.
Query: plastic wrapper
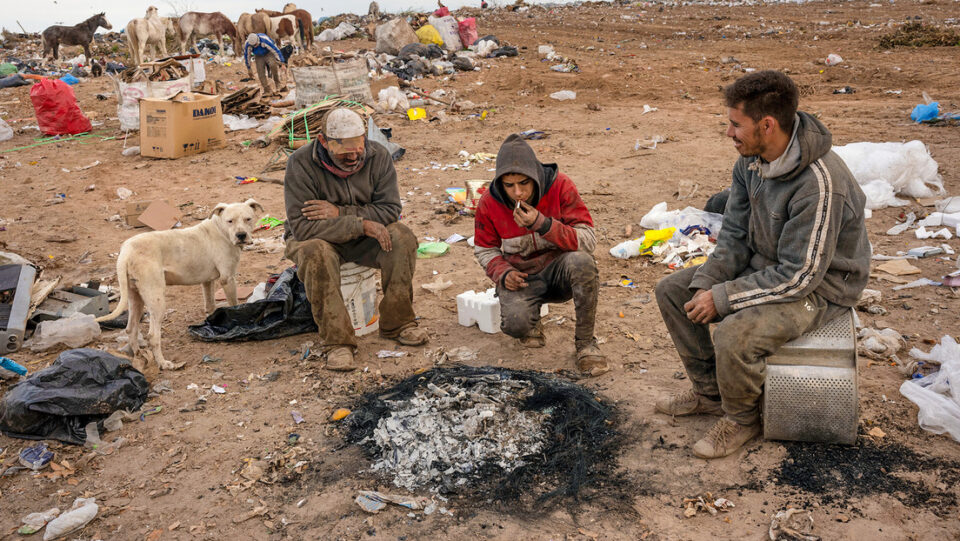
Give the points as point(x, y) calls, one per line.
point(907, 167)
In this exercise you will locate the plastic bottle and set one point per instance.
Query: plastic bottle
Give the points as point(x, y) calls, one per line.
point(10, 368)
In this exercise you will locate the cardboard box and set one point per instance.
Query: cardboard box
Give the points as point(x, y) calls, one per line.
point(159, 214)
point(185, 124)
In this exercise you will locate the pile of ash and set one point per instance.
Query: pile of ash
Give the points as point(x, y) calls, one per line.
point(490, 432)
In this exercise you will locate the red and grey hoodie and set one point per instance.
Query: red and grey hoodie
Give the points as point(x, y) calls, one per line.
point(564, 225)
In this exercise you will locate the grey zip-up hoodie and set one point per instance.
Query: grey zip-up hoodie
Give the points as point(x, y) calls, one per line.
point(370, 193)
point(795, 233)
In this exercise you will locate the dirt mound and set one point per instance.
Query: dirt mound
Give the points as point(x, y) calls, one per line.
point(920, 35)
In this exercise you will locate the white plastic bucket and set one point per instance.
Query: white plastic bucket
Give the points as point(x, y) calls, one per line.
point(358, 286)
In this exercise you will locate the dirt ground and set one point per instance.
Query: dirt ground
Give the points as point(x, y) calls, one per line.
point(193, 470)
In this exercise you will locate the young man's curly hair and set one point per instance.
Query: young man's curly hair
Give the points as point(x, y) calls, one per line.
point(765, 93)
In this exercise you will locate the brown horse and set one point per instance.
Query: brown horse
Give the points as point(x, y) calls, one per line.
point(255, 23)
point(79, 34)
point(195, 24)
point(304, 22)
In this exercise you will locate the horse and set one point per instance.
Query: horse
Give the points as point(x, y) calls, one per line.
point(283, 26)
point(305, 20)
point(254, 23)
point(302, 24)
point(195, 24)
point(78, 34)
point(150, 31)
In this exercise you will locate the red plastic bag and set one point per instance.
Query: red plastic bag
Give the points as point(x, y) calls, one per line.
point(56, 108)
point(442, 12)
point(468, 32)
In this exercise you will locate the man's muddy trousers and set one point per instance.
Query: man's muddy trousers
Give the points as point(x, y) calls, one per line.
point(572, 275)
point(318, 267)
point(733, 364)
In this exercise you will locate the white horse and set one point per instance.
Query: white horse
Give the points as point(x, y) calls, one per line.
point(151, 31)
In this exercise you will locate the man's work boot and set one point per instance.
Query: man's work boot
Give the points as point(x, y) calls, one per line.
point(534, 338)
point(340, 360)
point(412, 336)
point(689, 403)
point(591, 362)
point(724, 438)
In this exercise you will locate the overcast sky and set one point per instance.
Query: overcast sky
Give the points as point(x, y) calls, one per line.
point(35, 15)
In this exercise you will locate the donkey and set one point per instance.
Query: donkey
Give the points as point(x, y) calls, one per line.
point(195, 24)
point(79, 34)
point(149, 31)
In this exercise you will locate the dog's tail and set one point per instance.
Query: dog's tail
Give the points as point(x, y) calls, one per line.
point(124, 294)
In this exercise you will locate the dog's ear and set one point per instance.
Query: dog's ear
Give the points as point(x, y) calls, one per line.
point(257, 207)
point(218, 210)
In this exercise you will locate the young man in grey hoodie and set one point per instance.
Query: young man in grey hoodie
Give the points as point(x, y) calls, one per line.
point(792, 254)
point(343, 202)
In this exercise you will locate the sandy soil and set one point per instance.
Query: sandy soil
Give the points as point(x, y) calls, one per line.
point(180, 476)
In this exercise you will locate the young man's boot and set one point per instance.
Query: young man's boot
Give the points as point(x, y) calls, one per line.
point(534, 338)
point(590, 361)
point(724, 438)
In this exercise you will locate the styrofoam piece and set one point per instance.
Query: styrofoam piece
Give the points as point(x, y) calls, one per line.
point(483, 310)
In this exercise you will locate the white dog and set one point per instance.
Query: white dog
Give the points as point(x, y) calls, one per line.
point(202, 254)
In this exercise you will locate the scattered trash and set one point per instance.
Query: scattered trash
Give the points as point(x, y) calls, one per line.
point(242, 122)
point(879, 345)
point(74, 332)
point(34, 522)
point(437, 286)
point(705, 503)
point(845, 90)
point(427, 250)
point(79, 515)
point(898, 267)
point(36, 457)
point(563, 95)
point(938, 394)
point(790, 526)
point(416, 113)
point(297, 417)
point(124, 193)
point(340, 414)
point(11, 369)
point(374, 502)
point(832, 59)
point(217, 389)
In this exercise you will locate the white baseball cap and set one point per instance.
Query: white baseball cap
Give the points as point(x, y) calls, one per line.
point(253, 40)
point(342, 123)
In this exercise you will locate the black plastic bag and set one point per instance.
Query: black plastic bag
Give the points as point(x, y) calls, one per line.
point(81, 386)
point(285, 311)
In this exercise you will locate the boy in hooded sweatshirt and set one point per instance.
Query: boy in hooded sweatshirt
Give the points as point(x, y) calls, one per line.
point(792, 255)
point(534, 238)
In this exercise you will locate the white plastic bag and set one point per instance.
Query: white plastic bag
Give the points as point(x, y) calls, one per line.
point(484, 47)
point(938, 395)
point(73, 332)
point(83, 511)
point(908, 167)
point(659, 218)
point(393, 99)
point(6, 132)
point(449, 31)
point(880, 194)
point(564, 95)
point(627, 249)
point(242, 122)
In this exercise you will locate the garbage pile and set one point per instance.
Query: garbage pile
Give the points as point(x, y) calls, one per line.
point(678, 238)
point(486, 431)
